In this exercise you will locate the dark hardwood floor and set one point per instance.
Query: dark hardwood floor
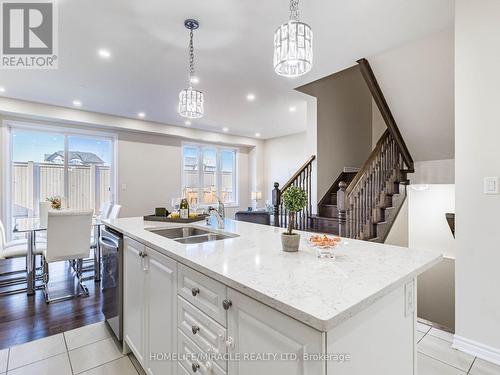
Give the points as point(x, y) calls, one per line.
point(26, 318)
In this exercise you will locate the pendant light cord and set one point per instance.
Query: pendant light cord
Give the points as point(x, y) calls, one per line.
point(191, 56)
point(294, 10)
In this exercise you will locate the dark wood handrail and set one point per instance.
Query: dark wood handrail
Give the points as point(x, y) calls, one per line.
point(375, 152)
point(298, 173)
point(384, 109)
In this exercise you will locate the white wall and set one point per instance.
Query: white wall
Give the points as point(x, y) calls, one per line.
point(344, 124)
point(417, 82)
point(150, 168)
point(477, 134)
point(434, 172)
point(428, 228)
point(283, 156)
point(378, 124)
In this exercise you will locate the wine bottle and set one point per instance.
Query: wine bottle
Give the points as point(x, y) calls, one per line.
point(184, 209)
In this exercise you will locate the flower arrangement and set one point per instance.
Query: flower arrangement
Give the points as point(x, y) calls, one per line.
point(55, 202)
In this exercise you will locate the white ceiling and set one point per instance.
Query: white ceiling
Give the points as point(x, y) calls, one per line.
point(233, 46)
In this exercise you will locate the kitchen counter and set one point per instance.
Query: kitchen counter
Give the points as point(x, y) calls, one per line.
point(321, 293)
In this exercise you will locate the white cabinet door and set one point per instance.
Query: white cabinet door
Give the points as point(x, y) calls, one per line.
point(162, 312)
point(134, 300)
point(255, 329)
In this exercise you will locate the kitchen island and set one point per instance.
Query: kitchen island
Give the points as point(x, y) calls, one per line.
point(240, 305)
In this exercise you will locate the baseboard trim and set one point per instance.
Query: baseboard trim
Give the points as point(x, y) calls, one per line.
point(477, 349)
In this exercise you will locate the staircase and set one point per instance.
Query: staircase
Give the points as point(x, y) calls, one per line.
point(364, 204)
point(326, 221)
point(369, 204)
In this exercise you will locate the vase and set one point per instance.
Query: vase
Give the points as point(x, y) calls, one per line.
point(290, 242)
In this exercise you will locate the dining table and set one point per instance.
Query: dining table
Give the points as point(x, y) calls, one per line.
point(31, 226)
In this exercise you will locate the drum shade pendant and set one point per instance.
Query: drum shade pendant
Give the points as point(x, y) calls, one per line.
point(191, 100)
point(293, 48)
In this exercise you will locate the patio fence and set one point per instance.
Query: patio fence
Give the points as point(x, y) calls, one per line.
point(89, 186)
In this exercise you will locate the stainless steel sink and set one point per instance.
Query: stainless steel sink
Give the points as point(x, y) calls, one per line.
point(191, 235)
point(203, 238)
point(179, 232)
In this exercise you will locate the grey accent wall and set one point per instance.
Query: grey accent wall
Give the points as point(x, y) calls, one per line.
point(344, 123)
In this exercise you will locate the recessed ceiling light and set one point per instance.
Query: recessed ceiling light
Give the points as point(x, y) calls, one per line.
point(225, 129)
point(187, 123)
point(77, 103)
point(141, 114)
point(2, 89)
point(292, 108)
point(250, 97)
point(257, 134)
point(104, 53)
point(194, 80)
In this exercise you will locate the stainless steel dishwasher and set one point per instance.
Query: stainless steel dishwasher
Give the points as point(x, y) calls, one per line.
point(111, 243)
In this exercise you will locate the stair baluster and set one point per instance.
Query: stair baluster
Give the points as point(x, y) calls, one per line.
point(302, 179)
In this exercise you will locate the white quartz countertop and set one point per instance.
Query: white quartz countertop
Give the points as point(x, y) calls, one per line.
point(321, 293)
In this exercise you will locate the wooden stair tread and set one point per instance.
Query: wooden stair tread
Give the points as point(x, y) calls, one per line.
point(326, 218)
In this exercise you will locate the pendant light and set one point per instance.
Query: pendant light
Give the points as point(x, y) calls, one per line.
point(293, 51)
point(191, 100)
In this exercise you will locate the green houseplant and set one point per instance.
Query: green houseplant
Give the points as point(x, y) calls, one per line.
point(294, 200)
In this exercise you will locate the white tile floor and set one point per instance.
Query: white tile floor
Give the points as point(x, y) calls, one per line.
point(90, 350)
point(437, 357)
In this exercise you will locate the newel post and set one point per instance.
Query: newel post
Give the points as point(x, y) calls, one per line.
point(341, 195)
point(276, 204)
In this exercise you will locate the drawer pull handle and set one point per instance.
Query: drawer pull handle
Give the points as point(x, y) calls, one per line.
point(195, 367)
point(227, 304)
point(195, 329)
point(195, 291)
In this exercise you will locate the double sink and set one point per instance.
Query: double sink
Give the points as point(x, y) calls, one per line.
point(191, 235)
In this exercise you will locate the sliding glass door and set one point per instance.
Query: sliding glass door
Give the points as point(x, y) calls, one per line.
point(43, 164)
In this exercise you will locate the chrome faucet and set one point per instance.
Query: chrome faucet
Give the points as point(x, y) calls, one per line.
point(218, 213)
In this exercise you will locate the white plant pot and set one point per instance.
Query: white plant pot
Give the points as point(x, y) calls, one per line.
point(290, 242)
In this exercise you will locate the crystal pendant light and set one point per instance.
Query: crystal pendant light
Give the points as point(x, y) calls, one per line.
point(293, 51)
point(191, 100)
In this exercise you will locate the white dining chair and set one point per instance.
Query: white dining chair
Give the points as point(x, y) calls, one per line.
point(67, 239)
point(11, 250)
point(106, 210)
point(43, 212)
point(115, 211)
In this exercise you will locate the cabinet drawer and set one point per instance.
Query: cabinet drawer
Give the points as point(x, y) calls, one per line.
point(209, 335)
point(203, 292)
point(192, 357)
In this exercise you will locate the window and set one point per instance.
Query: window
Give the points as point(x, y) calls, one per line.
point(209, 172)
point(77, 167)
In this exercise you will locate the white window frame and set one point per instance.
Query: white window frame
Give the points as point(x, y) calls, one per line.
point(7, 127)
point(218, 175)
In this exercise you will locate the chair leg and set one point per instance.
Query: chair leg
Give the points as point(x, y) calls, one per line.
point(78, 274)
point(6, 281)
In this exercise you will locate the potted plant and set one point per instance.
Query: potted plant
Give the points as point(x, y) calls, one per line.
point(294, 199)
